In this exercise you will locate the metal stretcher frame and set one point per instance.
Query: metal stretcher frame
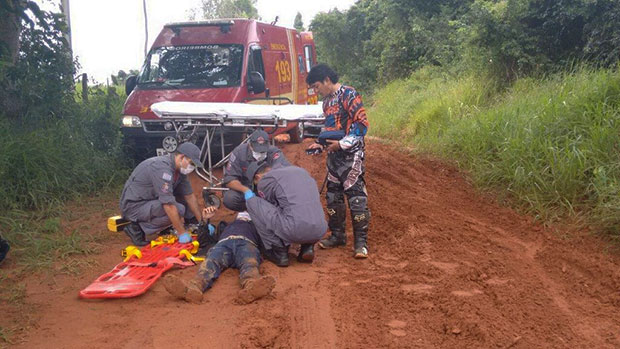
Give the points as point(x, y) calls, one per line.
point(207, 124)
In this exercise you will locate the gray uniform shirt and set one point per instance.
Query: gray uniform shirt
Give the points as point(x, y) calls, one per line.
point(289, 206)
point(153, 179)
point(240, 159)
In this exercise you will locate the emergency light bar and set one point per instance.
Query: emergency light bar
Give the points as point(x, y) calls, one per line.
point(212, 23)
point(223, 24)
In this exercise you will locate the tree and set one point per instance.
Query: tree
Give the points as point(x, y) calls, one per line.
point(40, 79)
point(13, 14)
point(119, 78)
point(211, 9)
point(299, 24)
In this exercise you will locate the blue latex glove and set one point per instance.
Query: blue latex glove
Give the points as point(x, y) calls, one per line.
point(211, 229)
point(248, 194)
point(185, 238)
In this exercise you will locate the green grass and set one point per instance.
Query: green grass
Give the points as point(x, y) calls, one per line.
point(551, 145)
point(47, 162)
point(39, 241)
point(5, 335)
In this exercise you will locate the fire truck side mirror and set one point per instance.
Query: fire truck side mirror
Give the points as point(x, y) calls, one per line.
point(130, 84)
point(256, 83)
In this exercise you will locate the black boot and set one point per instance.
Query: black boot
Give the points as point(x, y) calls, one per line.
point(337, 215)
point(306, 253)
point(4, 248)
point(277, 255)
point(136, 234)
point(361, 220)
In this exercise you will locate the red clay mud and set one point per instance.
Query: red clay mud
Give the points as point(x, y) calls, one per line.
point(448, 268)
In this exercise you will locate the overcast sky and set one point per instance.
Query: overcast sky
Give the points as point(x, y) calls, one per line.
point(108, 36)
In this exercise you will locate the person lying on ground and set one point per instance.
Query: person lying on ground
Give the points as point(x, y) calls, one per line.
point(257, 150)
point(287, 210)
point(158, 194)
point(237, 248)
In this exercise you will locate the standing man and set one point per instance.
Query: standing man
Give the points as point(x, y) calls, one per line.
point(258, 151)
point(158, 193)
point(344, 111)
point(288, 210)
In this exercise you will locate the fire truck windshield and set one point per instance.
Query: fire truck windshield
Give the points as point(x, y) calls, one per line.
point(192, 66)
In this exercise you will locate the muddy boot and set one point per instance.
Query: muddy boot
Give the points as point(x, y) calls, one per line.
point(254, 289)
point(306, 253)
point(277, 255)
point(361, 220)
point(337, 215)
point(136, 234)
point(181, 289)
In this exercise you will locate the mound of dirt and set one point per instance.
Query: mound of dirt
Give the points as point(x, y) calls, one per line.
point(448, 268)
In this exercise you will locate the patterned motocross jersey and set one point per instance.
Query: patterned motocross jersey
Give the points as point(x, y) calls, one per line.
point(345, 111)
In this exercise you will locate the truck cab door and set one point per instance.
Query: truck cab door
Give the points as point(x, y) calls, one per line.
point(256, 72)
point(310, 60)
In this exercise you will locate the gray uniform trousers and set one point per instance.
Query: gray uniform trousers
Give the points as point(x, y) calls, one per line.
point(153, 218)
point(289, 209)
point(279, 228)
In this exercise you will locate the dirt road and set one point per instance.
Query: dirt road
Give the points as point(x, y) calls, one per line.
point(448, 269)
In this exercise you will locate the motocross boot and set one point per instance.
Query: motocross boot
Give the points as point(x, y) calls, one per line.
point(360, 219)
point(337, 215)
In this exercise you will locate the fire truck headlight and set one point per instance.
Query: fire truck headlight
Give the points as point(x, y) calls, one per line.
point(168, 126)
point(131, 121)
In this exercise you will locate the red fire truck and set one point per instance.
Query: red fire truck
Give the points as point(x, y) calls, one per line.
point(237, 61)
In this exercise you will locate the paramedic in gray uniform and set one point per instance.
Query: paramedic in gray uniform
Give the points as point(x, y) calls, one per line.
point(257, 150)
point(158, 193)
point(287, 210)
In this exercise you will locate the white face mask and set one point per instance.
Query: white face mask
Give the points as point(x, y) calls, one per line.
point(259, 156)
point(187, 170)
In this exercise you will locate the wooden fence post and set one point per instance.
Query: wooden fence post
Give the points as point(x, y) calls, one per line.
point(85, 87)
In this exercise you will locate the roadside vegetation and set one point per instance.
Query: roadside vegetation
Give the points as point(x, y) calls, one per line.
point(54, 146)
point(524, 95)
point(551, 145)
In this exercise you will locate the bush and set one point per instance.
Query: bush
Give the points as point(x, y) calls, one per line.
point(552, 145)
point(44, 162)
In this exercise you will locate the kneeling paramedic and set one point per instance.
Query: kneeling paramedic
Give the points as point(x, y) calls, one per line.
point(287, 210)
point(158, 194)
point(257, 150)
point(236, 248)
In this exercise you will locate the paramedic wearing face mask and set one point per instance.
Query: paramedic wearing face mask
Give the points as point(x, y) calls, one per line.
point(235, 173)
point(158, 194)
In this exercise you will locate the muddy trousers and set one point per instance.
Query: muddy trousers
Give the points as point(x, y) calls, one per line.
point(345, 176)
point(232, 253)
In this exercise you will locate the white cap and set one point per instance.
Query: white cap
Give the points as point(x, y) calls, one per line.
point(244, 216)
